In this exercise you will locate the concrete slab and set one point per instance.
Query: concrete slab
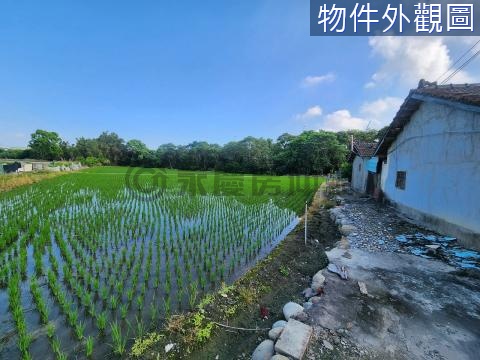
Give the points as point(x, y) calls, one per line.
point(417, 309)
point(294, 339)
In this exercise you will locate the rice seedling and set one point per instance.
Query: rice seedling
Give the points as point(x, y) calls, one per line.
point(15, 306)
point(166, 306)
point(123, 311)
point(79, 330)
point(72, 317)
point(113, 302)
point(104, 293)
point(102, 321)
point(153, 312)
point(59, 354)
point(130, 294)
point(89, 346)
point(192, 295)
point(50, 330)
point(139, 301)
point(139, 329)
point(119, 340)
point(39, 302)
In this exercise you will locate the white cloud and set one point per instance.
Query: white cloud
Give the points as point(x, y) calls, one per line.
point(342, 120)
point(380, 112)
point(311, 81)
point(313, 112)
point(406, 60)
point(372, 115)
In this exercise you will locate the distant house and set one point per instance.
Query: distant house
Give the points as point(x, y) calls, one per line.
point(364, 165)
point(429, 159)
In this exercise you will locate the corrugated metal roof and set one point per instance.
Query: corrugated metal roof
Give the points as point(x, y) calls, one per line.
point(364, 149)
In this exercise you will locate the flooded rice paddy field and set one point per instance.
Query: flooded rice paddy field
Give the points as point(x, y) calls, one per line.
point(92, 259)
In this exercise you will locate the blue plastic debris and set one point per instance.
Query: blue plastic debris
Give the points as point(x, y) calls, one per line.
point(419, 252)
point(465, 254)
point(446, 238)
point(421, 245)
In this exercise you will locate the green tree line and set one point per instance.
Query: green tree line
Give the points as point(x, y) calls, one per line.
point(309, 153)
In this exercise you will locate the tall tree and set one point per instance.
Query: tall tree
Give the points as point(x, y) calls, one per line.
point(137, 152)
point(46, 145)
point(167, 156)
point(112, 147)
point(87, 148)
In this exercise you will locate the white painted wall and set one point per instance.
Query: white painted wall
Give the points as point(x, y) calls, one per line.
point(359, 174)
point(440, 151)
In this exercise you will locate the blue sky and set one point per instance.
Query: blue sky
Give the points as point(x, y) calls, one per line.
point(183, 71)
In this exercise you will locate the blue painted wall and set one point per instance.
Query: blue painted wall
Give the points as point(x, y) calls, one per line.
point(440, 151)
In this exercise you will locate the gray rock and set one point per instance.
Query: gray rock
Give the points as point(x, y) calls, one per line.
point(315, 299)
point(274, 333)
point(340, 270)
point(318, 281)
point(362, 287)
point(308, 293)
point(279, 323)
point(302, 316)
point(307, 305)
point(327, 345)
point(291, 309)
point(279, 357)
point(347, 229)
point(294, 339)
point(264, 351)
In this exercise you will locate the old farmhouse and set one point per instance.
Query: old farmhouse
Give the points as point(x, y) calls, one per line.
point(429, 160)
point(364, 164)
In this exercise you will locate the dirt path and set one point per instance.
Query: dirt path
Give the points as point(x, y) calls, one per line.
point(416, 308)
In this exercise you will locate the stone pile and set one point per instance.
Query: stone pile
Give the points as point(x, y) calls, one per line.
point(288, 339)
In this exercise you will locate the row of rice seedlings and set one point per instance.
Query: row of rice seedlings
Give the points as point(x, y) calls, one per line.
point(15, 306)
point(38, 299)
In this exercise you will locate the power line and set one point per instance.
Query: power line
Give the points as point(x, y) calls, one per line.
point(458, 60)
point(468, 61)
